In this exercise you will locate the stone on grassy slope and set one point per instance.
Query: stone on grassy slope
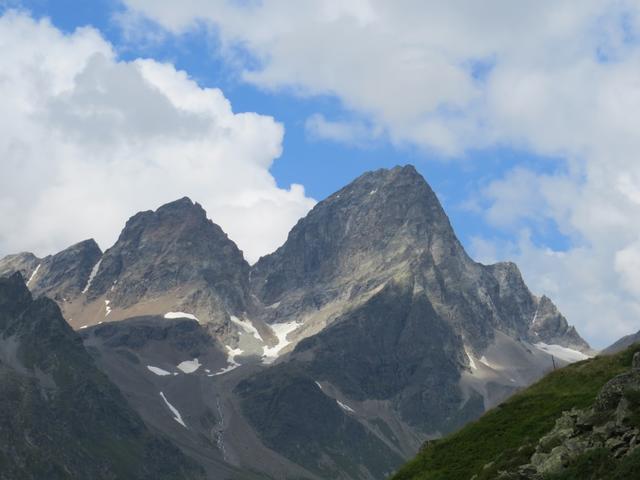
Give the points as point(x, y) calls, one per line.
point(611, 427)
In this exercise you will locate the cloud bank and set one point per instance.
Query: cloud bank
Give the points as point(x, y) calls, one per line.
point(87, 140)
point(555, 78)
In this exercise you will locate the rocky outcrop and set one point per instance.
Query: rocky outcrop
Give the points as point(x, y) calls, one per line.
point(612, 424)
point(549, 326)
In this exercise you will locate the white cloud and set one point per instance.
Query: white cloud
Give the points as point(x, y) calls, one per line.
point(408, 65)
point(87, 140)
point(556, 78)
point(350, 132)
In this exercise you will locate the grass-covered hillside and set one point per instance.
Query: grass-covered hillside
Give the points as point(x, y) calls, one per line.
point(506, 436)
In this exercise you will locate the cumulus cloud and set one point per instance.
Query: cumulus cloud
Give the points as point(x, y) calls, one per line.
point(556, 78)
point(87, 140)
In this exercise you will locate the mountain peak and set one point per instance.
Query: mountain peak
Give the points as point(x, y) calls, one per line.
point(23, 262)
point(63, 275)
point(399, 172)
point(404, 177)
point(383, 217)
point(165, 256)
point(551, 327)
point(184, 204)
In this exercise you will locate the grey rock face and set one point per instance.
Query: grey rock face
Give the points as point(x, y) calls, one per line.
point(383, 223)
point(388, 223)
point(64, 275)
point(550, 326)
point(177, 252)
point(379, 216)
point(395, 347)
point(61, 276)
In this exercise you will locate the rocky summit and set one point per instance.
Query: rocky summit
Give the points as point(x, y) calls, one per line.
point(368, 332)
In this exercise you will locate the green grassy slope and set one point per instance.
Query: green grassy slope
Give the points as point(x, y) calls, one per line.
point(506, 436)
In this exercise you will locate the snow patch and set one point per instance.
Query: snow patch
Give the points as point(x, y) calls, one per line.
point(486, 363)
point(172, 315)
point(373, 191)
point(248, 327)
point(176, 414)
point(472, 364)
point(33, 275)
point(158, 371)
point(346, 408)
point(231, 360)
point(563, 353)
point(535, 315)
point(319, 386)
point(92, 275)
point(281, 330)
point(189, 366)
point(107, 307)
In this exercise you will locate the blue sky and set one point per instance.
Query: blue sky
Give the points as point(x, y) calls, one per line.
point(321, 166)
point(522, 117)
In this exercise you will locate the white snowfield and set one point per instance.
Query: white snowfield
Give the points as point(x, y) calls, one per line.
point(158, 371)
point(176, 414)
point(92, 275)
point(189, 366)
point(563, 353)
point(33, 275)
point(346, 408)
point(107, 307)
point(248, 327)
point(281, 330)
point(172, 315)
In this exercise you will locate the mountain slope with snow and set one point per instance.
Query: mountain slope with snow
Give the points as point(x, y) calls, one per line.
point(61, 417)
point(370, 312)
